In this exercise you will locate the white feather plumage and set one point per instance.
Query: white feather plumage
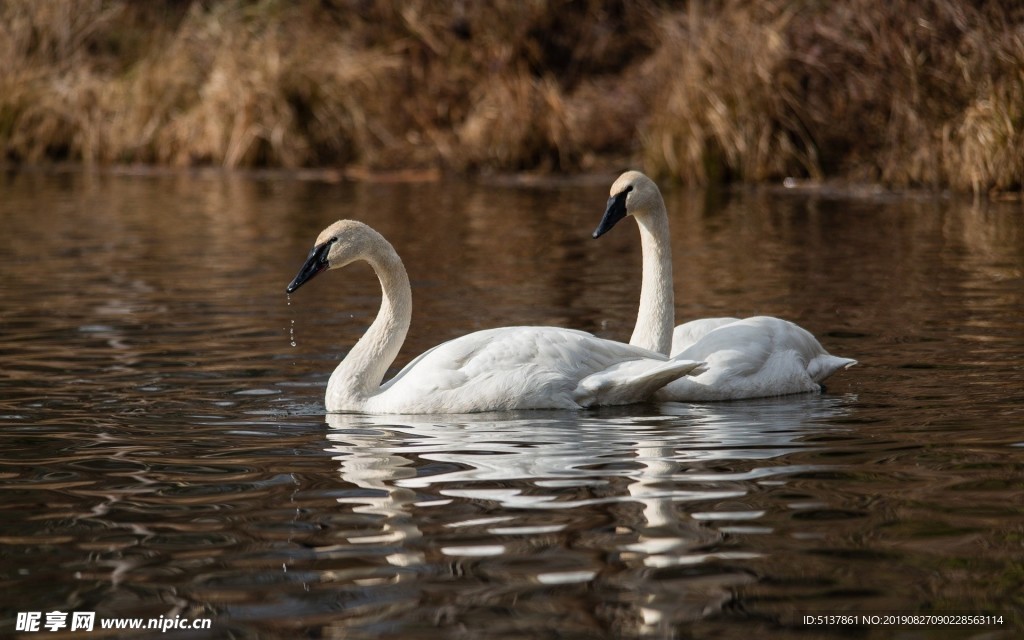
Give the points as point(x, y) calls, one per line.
point(750, 358)
point(502, 369)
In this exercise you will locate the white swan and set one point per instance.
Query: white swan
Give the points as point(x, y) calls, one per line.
point(750, 358)
point(493, 370)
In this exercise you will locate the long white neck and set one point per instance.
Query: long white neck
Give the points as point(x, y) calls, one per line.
point(359, 375)
point(656, 319)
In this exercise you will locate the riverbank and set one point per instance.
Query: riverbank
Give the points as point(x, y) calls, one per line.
point(905, 94)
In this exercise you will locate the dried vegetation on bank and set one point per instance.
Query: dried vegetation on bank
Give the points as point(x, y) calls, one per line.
point(907, 93)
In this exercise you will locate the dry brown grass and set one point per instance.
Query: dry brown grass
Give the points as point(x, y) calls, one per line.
point(906, 93)
point(894, 91)
point(727, 107)
point(247, 91)
point(233, 84)
point(903, 93)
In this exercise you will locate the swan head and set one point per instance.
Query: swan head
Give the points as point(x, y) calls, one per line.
point(632, 193)
point(340, 244)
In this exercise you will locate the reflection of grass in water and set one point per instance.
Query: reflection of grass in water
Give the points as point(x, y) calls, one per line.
point(907, 93)
point(980, 585)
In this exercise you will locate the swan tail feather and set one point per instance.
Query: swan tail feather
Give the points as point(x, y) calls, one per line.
point(823, 366)
point(632, 381)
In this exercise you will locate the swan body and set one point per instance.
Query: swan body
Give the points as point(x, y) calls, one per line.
point(750, 358)
point(501, 369)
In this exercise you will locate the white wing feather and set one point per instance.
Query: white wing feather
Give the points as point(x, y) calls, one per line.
point(750, 358)
point(526, 368)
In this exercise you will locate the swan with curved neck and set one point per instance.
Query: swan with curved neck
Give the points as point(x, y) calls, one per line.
point(749, 358)
point(493, 370)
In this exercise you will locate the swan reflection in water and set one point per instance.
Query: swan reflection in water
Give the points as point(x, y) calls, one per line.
point(479, 488)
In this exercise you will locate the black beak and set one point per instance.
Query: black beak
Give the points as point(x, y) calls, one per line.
point(616, 211)
point(315, 263)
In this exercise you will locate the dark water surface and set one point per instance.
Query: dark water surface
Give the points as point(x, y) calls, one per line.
point(165, 451)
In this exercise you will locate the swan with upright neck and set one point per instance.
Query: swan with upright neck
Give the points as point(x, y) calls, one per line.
point(750, 358)
point(502, 369)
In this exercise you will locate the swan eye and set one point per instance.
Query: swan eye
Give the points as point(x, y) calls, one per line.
point(615, 211)
point(316, 262)
point(624, 195)
point(321, 251)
